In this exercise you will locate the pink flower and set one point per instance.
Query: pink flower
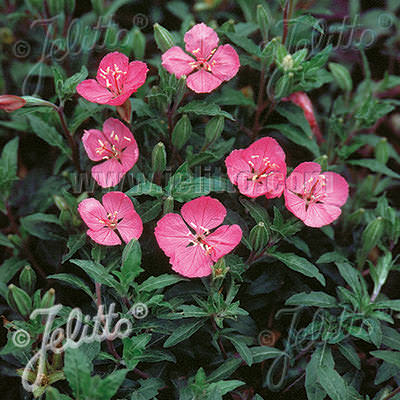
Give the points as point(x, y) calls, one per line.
point(9, 102)
point(116, 213)
point(302, 100)
point(258, 170)
point(212, 64)
point(313, 197)
point(193, 253)
point(116, 80)
point(117, 146)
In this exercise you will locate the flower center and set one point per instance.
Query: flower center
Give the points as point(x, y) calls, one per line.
point(111, 221)
point(203, 63)
point(200, 240)
point(264, 170)
point(311, 194)
point(112, 76)
point(112, 152)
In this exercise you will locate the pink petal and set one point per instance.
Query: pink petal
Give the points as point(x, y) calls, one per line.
point(136, 76)
point(130, 227)
point(172, 233)
point(129, 156)
point(92, 212)
point(225, 63)
point(192, 262)
point(108, 63)
point(203, 213)
point(301, 174)
point(236, 166)
point(117, 133)
point(263, 148)
point(119, 100)
point(336, 188)
point(202, 81)
point(321, 214)
point(223, 240)
point(177, 62)
point(201, 40)
point(108, 173)
point(251, 188)
point(92, 91)
point(119, 202)
point(295, 205)
point(105, 236)
point(92, 140)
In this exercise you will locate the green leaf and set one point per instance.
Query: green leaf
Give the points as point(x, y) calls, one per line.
point(75, 242)
point(145, 188)
point(49, 134)
point(392, 357)
point(241, 348)
point(316, 299)
point(225, 370)
point(332, 383)
point(159, 282)
point(131, 261)
point(183, 332)
point(39, 225)
point(201, 107)
point(149, 210)
point(299, 264)
point(69, 86)
point(133, 348)
point(348, 351)
point(77, 370)
point(258, 213)
point(262, 353)
point(244, 42)
point(9, 164)
point(342, 76)
point(74, 281)
point(4, 241)
point(375, 166)
point(296, 136)
point(148, 389)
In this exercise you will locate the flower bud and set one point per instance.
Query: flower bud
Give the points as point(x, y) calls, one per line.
point(9, 102)
point(214, 129)
point(181, 132)
point(159, 158)
point(15, 239)
point(162, 37)
point(168, 205)
point(27, 279)
point(138, 44)
point(259, 236)
point(60, 203)
point(220, 269)
point(287, 63)
point(323, 162)
point(382, 151)
point(48, 299)
point(125, 111)
point(263, 21)
point(19, 300)
point(228, 26)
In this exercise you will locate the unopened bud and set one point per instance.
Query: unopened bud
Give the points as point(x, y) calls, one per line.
point(356, 217)
point(259, 236)
point(159, 158)
point(138, 44)
point(287, 63)
point(60, 203)
point(263, 20)
point(181, 132)
point(19, 300)
point(214, 129)
point(382, 151)
point(220, 269)
point(48, 299)
point(162, 37)
point(9, 102)
point(27, 279)
point(168, 205)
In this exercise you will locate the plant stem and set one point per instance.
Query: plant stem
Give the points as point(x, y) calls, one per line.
point(391, 395)
point(70, 139)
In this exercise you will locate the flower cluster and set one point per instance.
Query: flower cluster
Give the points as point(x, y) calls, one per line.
point(196, 239)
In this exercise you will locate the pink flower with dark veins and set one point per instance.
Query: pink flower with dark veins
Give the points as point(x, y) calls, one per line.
point(116, 147)
point(188, 242)
point(258, 170)
point(211, 64)
point(116, 214)
point(116, 80)
point(315, 197)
